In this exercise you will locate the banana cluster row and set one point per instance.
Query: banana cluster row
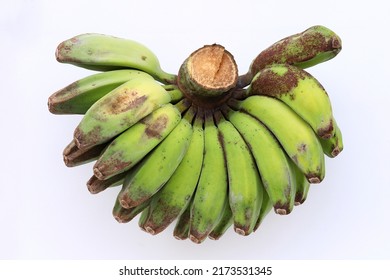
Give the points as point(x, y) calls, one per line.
point(204, 169)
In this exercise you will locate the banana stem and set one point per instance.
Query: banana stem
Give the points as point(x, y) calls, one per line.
point(183, 105)
point(174, 92)
point(190, 114)
point(166, 78)
point(207, 75)
point(244, 80)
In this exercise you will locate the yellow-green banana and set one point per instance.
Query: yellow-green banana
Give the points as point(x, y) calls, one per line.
point(334, 145)
point(175, 195)
point(271, 160)
point(266, 207)
point(294, 134)
point(156, 169)
point(299, 90)
point(128, 148)
point(302, 184)
point(119, 110)
point(181, 230)
point(102, 52)
point(212, 190)
point(244, 183)
point(223, 225)
point(78, 97)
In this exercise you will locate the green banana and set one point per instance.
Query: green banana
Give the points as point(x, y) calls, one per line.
point(119, 110)
point(162, 162)
point(124, 215)
point(102, 52)
point(182, 226)
point(272, 162)
point(212, 190)
point(224, 223)
point(299, 90)
point(136, 142)
point(315, 45)
point(334, 145)
point(294, 134)
point(176, 194)
point(79, 96)
point(266, 207)
point(144, 215)
point(303, 185)
point(73, 156)
point(245, 186)
point(95, 185)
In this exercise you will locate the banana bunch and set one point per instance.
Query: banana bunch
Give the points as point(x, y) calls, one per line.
point(205, 149)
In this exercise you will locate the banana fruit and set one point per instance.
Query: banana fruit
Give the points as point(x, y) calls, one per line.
point(175, 196)
point(118, 110)
point(294, 134)
point(102, 52)
point(244, 183)
point(204, 150)
point(136, 142)
point(211, 196)
point(79, 96)
point(299, 90)
point(313, 46)
point(276, 174)
point(164, 160)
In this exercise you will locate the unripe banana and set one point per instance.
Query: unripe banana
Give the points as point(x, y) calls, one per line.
point(244, 183)
point(95, 185)
point(119, 110)
point(136, 142)
point(223, 225)
point(294, 134)
point(334, 145)
point(212, 190)
point(266, 207)
point(271, 160)
point(182, 226)
point(299, 90)
point(156, 169)
point(124, 215)
point(79, 96)
point(73, 156)
point(302, 184)
point(206, 147)
point(102, 52)
point(315, 45)
point(175, 195)
point(144, 215)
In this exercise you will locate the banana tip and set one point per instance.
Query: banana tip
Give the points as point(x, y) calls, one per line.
point(212, 237)
point(179, 237)
point(148, 229)
point(240, 231)
point(125, 204)
point(195, 239)
point(281, 211)
point(314, 180)
point(97, 172)
point(335, 152)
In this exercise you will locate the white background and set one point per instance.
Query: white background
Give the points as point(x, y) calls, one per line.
point(46, 211)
